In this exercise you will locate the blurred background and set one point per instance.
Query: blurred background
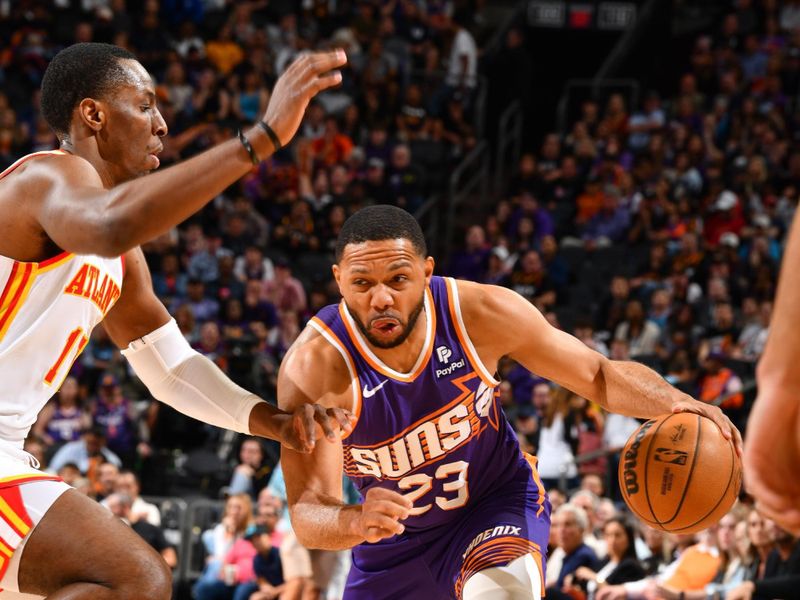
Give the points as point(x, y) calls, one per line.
point(629, 167)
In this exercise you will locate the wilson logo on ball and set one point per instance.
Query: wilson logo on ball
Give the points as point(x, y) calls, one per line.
point(631, 455)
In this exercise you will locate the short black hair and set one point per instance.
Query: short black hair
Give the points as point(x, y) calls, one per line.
point(381, 222)
point(87, 70)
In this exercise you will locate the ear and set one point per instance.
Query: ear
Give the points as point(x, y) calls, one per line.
point(428, 269)
point(337, 274)
point(92, 114)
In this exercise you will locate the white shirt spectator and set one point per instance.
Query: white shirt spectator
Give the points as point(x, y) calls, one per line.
point(463, 46)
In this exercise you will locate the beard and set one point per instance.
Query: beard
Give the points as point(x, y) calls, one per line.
point(407, 327)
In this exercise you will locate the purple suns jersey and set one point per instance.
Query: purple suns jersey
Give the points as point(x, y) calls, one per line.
point(436, 434)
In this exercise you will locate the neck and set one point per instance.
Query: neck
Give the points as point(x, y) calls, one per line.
point(86, 147)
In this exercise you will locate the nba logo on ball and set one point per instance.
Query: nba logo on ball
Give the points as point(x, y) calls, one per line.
point(679, 473)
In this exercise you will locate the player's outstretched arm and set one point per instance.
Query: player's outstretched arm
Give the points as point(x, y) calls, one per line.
point(177, 375)
point(70, 200)
point(501, 322)
point(313, 371)
point(772, 451)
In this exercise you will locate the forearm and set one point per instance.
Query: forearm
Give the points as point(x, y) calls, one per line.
point(144, 208)
point(325, 523)
point(177, 375)
point(631, 388)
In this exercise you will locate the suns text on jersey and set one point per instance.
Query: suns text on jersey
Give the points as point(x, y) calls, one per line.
point(88, 284)
point(423, 443)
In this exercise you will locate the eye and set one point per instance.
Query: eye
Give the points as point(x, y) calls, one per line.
point(400, 279)
point(359, 282)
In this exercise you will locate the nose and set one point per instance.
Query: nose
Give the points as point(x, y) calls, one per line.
point(381, 298)
point(159, 124)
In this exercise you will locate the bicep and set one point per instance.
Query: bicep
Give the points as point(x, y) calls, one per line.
point(138, 310)
point(305, 378)
point(528, 338)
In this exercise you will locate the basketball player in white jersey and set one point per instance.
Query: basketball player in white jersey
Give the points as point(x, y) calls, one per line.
point(72, 223)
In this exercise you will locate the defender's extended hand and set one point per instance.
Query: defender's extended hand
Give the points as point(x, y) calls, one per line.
point(305, 78)
point(298, 430)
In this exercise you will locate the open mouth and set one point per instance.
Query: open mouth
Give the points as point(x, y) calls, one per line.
point(386, 326)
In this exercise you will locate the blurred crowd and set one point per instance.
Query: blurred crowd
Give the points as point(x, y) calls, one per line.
point(651, 228)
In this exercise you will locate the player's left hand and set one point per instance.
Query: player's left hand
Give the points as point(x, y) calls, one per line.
point(714, 413)
point(300, 430)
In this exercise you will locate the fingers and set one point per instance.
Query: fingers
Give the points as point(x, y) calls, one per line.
point(328, 81)
point(305, 428)
point(344, 418)
point(322, 62)
point(321, 417)
point(379, 493)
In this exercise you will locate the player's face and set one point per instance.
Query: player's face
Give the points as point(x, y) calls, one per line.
point(131, 134)
point(383, 285)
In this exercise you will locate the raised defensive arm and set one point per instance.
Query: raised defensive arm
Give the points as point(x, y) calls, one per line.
point(81, 216)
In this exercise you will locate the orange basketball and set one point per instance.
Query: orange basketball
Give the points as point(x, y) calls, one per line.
point(678, 473)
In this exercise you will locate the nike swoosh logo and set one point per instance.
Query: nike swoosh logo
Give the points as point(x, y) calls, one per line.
point(369, 393)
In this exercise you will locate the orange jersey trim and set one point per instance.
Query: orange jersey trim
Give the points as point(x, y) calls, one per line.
point(461, 331)
point(14, 294)
point(374, 362)
point(25, 159)
point(52, 263)
point(499, 551)
point(533, 462)
point(332, 339)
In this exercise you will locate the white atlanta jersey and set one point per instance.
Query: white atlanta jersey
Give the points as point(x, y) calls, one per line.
point(47, 312)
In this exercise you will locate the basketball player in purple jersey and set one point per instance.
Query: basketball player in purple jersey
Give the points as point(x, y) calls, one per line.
point(451, 507)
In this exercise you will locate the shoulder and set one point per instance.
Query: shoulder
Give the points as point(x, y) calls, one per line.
point(49, 169)
point(313, 370)
point(489, 310)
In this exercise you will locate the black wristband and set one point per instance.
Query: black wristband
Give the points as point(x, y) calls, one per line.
point(272, 135)
point(249, 147)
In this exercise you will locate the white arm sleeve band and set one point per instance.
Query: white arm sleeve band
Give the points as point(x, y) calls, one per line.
point(179, 376)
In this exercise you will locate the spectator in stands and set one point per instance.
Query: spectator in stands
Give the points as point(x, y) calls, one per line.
point(203, 308)
point(219, 540)
point(251, 475)
point(721, 386)
point(63, 418)
point(530, 280)
point(266, 567)
point(620, 565)
point(779, 575)
point(471, 263)
point(116, 415)
point(104, 479)
point(556, 459)
point(734, 569)
point(570, 524)
point(404, 179)
point(127, 484)
point(641, 334)
point(609, 225)
point(285, 292)
point(87, 453)
point(120, 506)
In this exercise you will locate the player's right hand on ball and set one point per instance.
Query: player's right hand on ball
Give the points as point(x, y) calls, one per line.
point(308, 75)
point(381, 514)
